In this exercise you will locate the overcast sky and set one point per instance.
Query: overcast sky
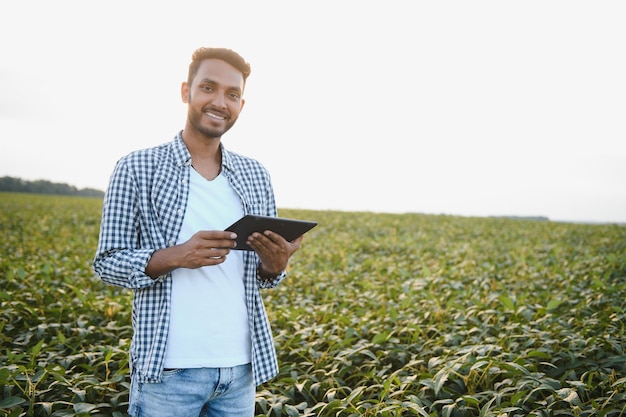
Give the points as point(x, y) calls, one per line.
point(471, 108)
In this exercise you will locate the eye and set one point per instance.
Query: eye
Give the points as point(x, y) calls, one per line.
point(207, 88)
point(234, 96)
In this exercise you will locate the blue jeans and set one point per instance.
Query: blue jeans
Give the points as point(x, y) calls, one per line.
point(201, 392)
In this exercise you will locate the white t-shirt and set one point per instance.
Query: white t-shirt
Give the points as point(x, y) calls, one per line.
point(209, 321)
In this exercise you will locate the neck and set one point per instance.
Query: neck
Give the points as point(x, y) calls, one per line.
point(206, 156)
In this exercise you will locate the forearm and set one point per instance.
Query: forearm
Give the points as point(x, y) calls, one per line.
point(163, 261)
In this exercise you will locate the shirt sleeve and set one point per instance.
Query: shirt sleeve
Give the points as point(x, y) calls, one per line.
point(119, 259)
point(270, 283)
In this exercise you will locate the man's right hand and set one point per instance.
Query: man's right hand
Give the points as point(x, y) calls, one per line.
point(204, 248)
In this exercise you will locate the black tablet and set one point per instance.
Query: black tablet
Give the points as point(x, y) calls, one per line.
point(290, 229)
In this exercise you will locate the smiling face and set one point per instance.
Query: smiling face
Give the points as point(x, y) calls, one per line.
point(214, 98)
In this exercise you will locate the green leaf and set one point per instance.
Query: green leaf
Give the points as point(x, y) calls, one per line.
point(507, 302)
point(4, 375)
point(440, 379)
point(11, 402)
point(292, 411)
point(554, 304)
point(538, 354)
point(80, 408)
point(380, 338)
point(34, 351)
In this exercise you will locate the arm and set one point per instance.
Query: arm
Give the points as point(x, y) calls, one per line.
point(119, 258)
point(272, 249)
point(204, 248)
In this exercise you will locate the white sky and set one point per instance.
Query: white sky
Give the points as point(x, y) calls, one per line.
point(445, 107)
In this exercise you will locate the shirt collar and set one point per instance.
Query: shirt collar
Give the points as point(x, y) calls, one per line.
point(179, 151)
point(182, 155)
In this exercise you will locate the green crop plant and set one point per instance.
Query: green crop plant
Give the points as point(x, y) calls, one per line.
point(381, 315)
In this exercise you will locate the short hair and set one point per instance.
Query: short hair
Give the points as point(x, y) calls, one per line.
point(227, 55)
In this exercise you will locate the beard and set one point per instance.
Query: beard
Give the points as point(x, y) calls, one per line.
point(200, 123)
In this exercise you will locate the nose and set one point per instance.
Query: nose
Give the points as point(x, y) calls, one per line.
point(219, 100)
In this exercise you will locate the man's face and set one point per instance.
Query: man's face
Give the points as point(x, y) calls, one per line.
point(214, 98)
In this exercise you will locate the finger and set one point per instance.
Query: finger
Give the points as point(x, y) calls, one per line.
point(217, 253)
point(215, 261)
point(223, 243)
point(216, 235)
point(274, 237)
point(295, 244)
point(258, 246)
point(217, 239)
point(258, 240)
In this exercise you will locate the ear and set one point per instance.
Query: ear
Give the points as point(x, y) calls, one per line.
point(243, 101)
point(184, 92)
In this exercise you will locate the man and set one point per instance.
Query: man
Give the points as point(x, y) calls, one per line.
point(202, 340)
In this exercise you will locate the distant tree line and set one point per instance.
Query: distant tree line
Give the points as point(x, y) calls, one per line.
point(18, 185)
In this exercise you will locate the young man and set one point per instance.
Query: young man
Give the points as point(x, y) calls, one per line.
point(202, 340)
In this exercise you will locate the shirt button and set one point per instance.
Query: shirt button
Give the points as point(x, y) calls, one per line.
point(184, 181)
point(172, 243)
point(180, 212)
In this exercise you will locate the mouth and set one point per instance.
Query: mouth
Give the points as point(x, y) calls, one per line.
point(215, 115)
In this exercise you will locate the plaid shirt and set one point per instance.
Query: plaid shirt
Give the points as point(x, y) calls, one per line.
point(143, 211)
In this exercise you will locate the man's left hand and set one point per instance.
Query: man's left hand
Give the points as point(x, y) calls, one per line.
point(273, 250)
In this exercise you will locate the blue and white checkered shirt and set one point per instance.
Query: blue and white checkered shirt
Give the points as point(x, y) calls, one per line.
point(143, 211)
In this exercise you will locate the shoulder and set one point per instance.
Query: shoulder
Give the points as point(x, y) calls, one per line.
point(146, 154)
point(241, 163)
point(156, 156)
